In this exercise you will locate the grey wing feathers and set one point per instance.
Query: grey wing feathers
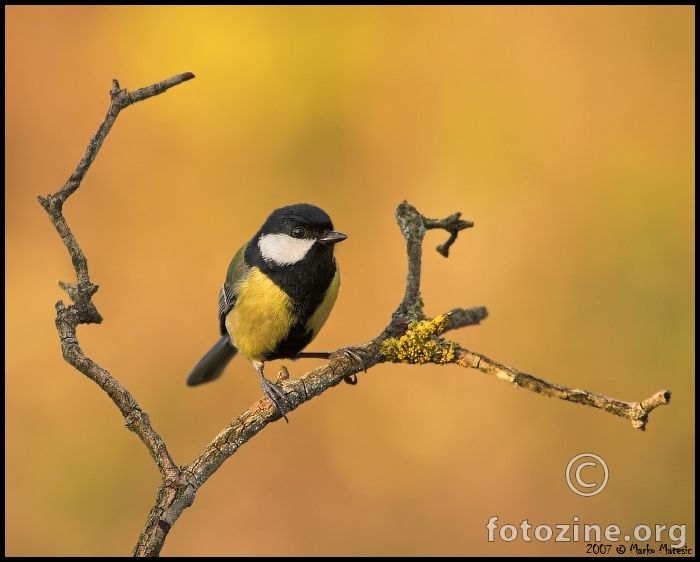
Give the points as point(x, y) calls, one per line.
point(227, 300)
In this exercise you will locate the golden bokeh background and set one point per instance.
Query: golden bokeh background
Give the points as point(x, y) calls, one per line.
point(565, 134)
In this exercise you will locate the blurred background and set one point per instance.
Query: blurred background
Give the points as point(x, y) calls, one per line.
point(565, 134)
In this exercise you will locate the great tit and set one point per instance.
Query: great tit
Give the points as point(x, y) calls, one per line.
point(279, 290)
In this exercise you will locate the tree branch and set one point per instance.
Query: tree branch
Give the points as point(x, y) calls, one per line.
point(636, 412)
point(451, 224)
point(83, 311)
point(409, 337)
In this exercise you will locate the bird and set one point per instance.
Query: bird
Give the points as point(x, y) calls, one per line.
point(280, 288)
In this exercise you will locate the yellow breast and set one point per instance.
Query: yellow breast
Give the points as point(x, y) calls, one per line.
point(263, 315)
point(261, 318)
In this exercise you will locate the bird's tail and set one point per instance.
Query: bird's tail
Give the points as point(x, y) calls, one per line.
point(212, 365)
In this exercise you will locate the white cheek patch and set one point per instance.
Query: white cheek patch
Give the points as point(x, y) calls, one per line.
point(281, 249)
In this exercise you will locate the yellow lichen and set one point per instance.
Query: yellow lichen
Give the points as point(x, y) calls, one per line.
point(421, 344)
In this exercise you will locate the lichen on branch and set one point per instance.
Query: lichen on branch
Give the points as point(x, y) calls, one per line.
point(421, 343)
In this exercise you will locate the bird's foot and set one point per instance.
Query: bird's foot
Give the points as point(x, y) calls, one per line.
point(273, 392)
point(275, 395)
point(352, 379)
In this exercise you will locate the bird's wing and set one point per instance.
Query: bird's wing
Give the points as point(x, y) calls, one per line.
point(227, 300)
point(237, 272)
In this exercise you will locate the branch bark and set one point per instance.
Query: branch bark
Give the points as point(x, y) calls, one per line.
point(83, 310)
point(409, 337)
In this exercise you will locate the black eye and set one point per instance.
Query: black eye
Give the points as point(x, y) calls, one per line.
point(298, 232)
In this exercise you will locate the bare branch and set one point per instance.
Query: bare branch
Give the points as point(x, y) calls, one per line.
point(120, 99)
point(84, 310)
point(413, 229)
point(461, 317)
point(254, 420)
point(637, 412)
point(53, 204)
point(451, 224)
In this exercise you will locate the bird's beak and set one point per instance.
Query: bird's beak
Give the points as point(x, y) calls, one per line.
point(332, 237)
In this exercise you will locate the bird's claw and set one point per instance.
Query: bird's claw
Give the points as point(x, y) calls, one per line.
point(275, 395)
point(352, 379)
